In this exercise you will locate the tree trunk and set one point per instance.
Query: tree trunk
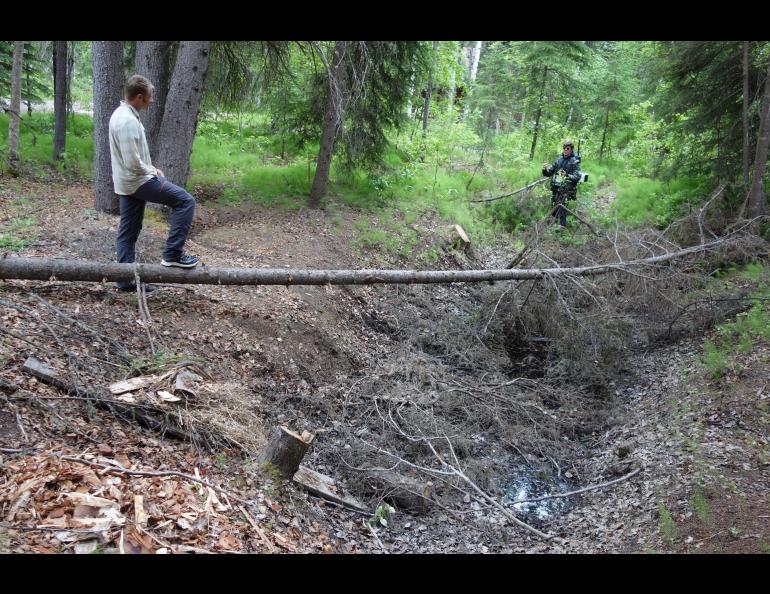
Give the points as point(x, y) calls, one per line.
point(108, 90)
point(14, 119)
point(180, 117)
point(429, 92)
point(284, 451)
point(70, 72)
point(604, 133)
point(452, 90)
point(473, 68)
point(28, 101)
point(333, 116)
point(746, 178)
point(756, 198)
point(539, 113)
point(153, 62)
point(60, 98)
point(83, 270)
point(475, 57)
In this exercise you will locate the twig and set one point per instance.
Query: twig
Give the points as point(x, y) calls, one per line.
point(16, 451)
point(122, 352)
point(701, 224)
point(455, 470)
point(377, 538)
point(21, 427)
point(120, 469)
point(258, 530)
point(495, 309)
point(35, 397)
point(583, 490)
point(581, 219)
point(144, 314)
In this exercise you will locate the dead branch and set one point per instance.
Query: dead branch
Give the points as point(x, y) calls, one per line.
point(525, 188)
point(584, 489)
point(123, 411)
point(144, 312)
point(454, 469)
point(117, 468)
point(581, 219)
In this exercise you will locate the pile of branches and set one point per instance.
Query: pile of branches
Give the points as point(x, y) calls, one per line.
point(485, 378)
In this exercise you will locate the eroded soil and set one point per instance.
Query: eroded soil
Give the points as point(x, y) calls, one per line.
point(298, 356)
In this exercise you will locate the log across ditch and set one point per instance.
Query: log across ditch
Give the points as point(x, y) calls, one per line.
point(12, 267)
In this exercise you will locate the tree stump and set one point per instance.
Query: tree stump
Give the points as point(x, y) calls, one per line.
point(462, 242)
point(284, 451)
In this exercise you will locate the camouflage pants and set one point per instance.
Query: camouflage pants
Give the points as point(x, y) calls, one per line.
point(559, 198)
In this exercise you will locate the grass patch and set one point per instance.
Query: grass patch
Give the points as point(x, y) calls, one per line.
point(701, 507)
point(748, 328)
point(158, 363)
point(666, 523)
point(36, 143)
point(17, 234)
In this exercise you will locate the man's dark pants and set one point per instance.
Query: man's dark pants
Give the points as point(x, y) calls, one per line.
point(560, 198)
point(159, 191)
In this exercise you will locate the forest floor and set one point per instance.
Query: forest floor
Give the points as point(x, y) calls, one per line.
point(323, 359)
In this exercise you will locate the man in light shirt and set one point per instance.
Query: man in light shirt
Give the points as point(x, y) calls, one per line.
point(137, 182)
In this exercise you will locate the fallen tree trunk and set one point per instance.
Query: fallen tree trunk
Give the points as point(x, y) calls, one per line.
point(403, 491)
point(325, 487)
point(84, 270)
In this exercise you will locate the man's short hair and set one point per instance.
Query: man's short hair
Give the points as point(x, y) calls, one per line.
point(568, 143)
point(137, 85)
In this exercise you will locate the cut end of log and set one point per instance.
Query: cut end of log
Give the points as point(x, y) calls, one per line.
point(461, 242)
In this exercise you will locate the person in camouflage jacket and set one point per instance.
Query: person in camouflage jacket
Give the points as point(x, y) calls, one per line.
point(564, 174)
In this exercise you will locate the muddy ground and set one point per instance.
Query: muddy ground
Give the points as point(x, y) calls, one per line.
point(340, 362)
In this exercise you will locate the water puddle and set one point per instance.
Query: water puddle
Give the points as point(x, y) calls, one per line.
point(531, 484)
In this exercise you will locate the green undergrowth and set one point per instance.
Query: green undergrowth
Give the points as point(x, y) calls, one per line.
point(750, 327)
point(16, 234)
point(158, 363)
point(36, 144)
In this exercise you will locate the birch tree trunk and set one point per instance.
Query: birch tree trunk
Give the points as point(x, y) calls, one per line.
point(746, 179)
point(108, 90)
point(60, 98)
point(474, 55)
point(180, 117)
point(333, 116)
point(756, 198)
point(152, 61)
point(14, 118)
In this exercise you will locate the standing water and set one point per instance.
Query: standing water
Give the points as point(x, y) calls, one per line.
point(531, 484)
